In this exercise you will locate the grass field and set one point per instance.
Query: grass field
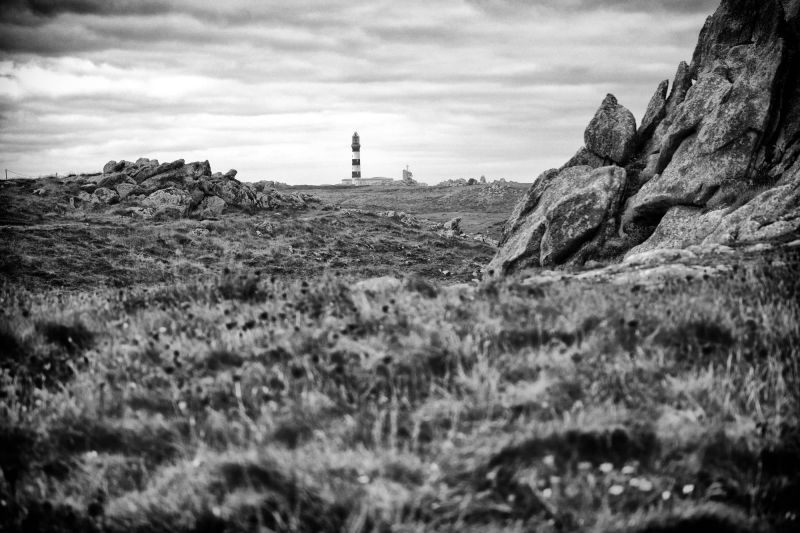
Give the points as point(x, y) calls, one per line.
point(252, 374)
point(482, 208)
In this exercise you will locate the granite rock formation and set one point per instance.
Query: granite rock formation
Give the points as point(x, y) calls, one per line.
point(715, 160)
point(179, 189)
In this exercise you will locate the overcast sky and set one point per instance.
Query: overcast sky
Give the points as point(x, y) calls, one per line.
point(275, 89)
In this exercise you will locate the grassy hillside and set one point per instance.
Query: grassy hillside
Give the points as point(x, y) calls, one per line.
point(252, 374)
point(483, 208)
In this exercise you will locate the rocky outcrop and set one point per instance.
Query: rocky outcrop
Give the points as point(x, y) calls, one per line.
point(713, 162)
point(177, 189)
point(561, 213)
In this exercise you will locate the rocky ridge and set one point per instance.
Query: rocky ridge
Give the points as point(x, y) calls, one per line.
point(178, 189)
point(713, 161)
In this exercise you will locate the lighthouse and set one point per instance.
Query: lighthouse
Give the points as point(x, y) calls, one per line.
point(356, 146)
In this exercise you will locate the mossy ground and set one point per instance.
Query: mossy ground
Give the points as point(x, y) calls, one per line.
point(210, 391)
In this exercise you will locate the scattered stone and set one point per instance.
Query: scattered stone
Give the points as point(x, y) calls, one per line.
point(402, 217)
point(453, 225)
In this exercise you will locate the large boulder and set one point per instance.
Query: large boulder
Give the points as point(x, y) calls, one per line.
point(772, 214)
point(172, 174)
point(113, 179)
point(175, 174)
point(681, 227)
point(200, 169)
point(612, 132)
point(559, 214)
point(125, 189)
point(211, 207)
point(234, 193)
point(169, 203)
point(103, 195)
point(145, 168)
point(113, 166)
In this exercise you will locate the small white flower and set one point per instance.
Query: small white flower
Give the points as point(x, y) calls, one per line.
point(606, 468)
point(584, 466)
point(547, 493)
point(688, 489)
point(549, 460)
point(666, 495)
point(616, 490)
point(628, 470)
point(363, 479)
point(642, 484)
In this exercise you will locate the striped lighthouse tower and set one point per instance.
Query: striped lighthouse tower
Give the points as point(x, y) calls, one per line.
point(356, 146)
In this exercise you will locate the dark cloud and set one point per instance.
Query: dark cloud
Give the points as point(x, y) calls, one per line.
point(51, 8)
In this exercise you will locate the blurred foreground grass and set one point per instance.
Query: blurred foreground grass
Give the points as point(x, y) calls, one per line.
point(247, 400)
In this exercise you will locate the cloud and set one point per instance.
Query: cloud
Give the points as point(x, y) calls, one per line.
point(499, 7)
point(274, 89)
